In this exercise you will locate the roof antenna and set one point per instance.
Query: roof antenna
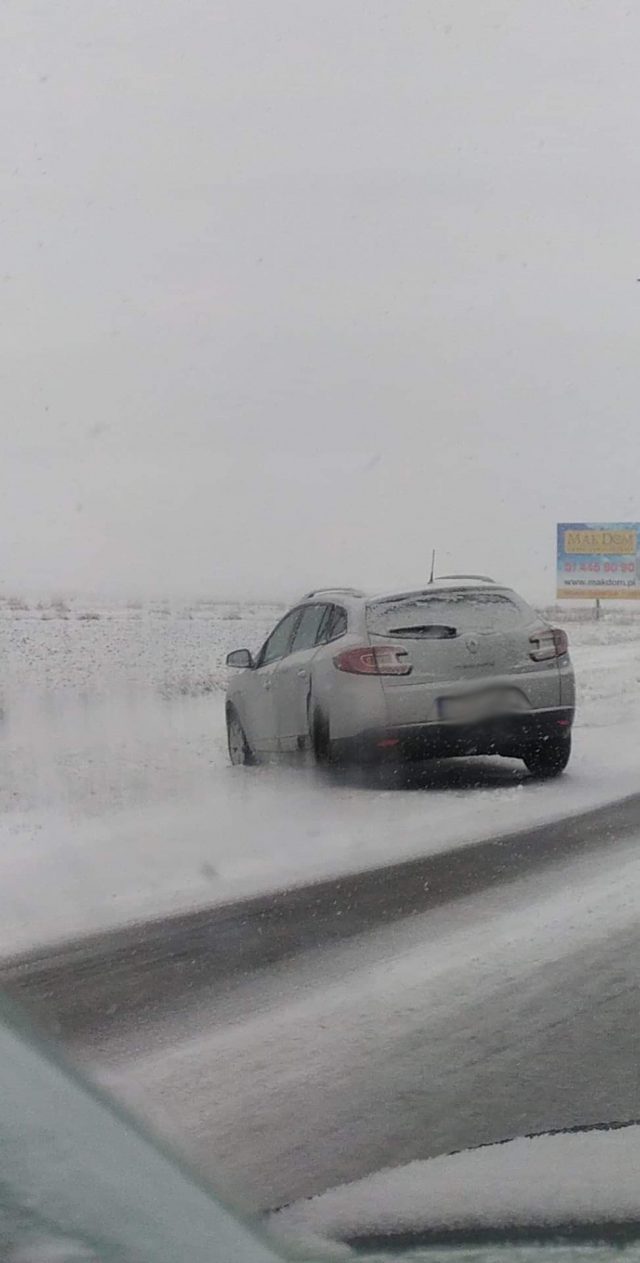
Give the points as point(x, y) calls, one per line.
point(433, 565)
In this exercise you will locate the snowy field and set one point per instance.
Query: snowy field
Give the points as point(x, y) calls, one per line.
point(116, 801)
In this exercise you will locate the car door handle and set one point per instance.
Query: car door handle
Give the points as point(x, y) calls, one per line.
point(302, 672)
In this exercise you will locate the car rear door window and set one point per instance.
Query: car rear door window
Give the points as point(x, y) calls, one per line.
point(306, 635)
point(278, 643)
point(333, 625)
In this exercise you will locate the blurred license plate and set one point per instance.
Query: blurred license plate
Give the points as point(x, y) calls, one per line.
point(472, 707)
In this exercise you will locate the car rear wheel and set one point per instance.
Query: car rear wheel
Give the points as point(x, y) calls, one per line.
point(321, 740)
point(240, 752)
point(550, 758)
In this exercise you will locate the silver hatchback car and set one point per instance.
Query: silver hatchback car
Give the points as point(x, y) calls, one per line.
point(461, 667)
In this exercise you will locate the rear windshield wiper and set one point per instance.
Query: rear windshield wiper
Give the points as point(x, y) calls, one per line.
point(425, 631)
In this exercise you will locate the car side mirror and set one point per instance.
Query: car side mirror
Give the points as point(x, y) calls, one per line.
point(240, 658)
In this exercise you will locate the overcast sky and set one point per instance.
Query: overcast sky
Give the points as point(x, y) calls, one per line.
point(294, 291)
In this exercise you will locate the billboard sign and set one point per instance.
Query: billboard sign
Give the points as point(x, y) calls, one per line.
point(599, 560)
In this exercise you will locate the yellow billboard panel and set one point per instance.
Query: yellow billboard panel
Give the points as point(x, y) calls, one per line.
point(601, 542)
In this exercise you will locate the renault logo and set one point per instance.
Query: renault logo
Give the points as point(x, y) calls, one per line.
point(472, 644)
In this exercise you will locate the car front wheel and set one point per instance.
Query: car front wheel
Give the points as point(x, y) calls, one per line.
point(240, 752)
point(550, 758)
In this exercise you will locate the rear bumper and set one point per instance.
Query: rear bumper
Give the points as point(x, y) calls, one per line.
point(509, 735)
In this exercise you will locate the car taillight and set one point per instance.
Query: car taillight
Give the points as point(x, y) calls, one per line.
point(374, 660)
point(549, 644)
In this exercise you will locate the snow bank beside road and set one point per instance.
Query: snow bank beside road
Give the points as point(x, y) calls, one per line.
point(118, 802)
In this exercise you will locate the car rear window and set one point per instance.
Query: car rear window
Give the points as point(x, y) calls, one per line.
point(441, 615)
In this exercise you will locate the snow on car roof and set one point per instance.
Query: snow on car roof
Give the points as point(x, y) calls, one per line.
point(439, 586)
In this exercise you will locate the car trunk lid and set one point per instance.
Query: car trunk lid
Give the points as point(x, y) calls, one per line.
point(457, 639)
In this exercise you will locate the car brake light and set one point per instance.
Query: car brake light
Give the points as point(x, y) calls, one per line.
point(549, 644)
point(374, 660)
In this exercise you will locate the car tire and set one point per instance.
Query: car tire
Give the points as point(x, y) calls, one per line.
point(240, 752)
point(321, 743)
point(550, 758)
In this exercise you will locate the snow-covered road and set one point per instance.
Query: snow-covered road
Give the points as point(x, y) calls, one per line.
point(487, 1017)
point(118, 804)
point(511, 1011)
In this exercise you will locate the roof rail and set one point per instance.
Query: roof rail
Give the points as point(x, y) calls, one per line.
point(319, 591)
point(482, 578)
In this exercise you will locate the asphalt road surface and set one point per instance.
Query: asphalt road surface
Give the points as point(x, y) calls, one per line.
point(139, 973)
point(511, 1010)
